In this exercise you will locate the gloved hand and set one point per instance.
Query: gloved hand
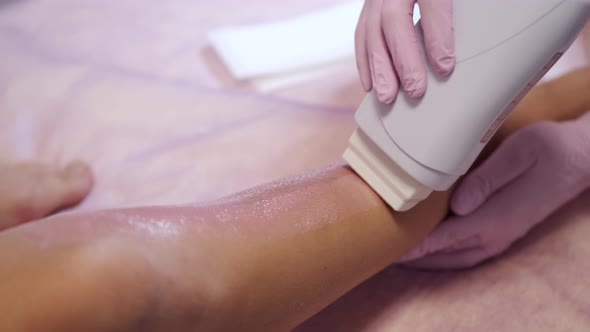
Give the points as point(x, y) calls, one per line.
point(533, 173)
point(387, 48)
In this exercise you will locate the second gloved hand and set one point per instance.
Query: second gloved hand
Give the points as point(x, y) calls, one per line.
point(387, 49)
point(535, 172)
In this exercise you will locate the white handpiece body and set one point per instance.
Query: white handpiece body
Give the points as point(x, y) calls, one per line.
point(408, 149)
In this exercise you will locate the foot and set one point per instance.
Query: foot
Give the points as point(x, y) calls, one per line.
point(30, 191)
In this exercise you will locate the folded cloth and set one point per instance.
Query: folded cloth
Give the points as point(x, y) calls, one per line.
point(289, 45)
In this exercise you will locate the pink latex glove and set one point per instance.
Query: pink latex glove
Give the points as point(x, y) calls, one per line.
point(535, 172)
point(387, 50)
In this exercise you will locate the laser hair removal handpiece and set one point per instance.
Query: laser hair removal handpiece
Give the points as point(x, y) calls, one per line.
point(406, 150)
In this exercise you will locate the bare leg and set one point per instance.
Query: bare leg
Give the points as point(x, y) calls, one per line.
point(268, 258)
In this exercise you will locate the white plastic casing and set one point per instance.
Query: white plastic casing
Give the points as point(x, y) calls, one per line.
point(503, 48)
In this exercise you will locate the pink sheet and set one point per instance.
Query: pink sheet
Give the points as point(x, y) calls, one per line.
point(132, 87)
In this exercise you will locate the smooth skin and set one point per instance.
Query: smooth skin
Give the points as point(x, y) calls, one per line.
point(262, 260)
